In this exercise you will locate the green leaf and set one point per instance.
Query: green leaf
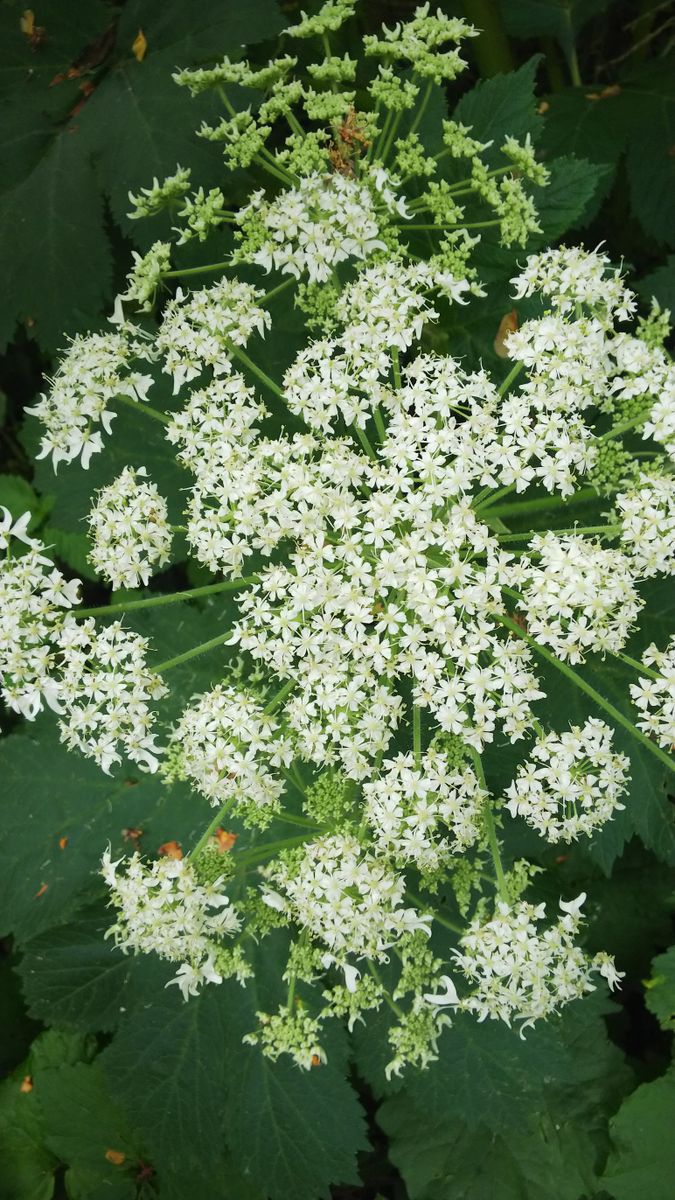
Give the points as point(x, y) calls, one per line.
point(561, 19)
point(167, 1066)
point(56, 258)
point(660, 994)
point(642, 1163)
point(60, 812)
point(449, 1162)
point(564, 204)
point(295, 1132)
point(661, 284)
point(82, 1125)
point(505, 104)
point(75, 978)
point(650, 161)
point(27, 1165)
point(17, 495)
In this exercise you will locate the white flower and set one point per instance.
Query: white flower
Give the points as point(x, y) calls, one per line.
point(577, 595)
point(569, 276)
point(349, 899)
point(34, 598)
point(230, 748)
point(655, 697)
point(130, 531)
point(199, 329)
point(313, 227)
point(518, 971)
point(96, 369)
point(647, 515)
point(163, 909)
point(105, 688)
point(572, 783)
point(411, 810)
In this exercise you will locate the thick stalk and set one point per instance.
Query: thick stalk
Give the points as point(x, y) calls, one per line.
point(214, 824)
point(141, 406)
point(610, 531)
point(194, 652)
point(247, 362)
point(209, 589)
point(219, 266)
point(583, 686)
point(490, 828)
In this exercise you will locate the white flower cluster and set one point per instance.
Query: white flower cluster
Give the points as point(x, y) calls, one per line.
point(34, 598)
point(577, 595)
point(96, 370)
point(410, 807)
point(520, 972)
point(569, 276)
point(228, 745)
point(647, 515)
point(572, 784)
point(311, 228)
point(654, 697)
point(163, 909)
point(105, 688)
point(198, 330)
point(350, 900)
point(129, 529)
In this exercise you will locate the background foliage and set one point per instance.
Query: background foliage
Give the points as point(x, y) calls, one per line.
point(113, 1088)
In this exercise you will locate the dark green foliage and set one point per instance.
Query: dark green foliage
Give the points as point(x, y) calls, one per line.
point(134, 1094)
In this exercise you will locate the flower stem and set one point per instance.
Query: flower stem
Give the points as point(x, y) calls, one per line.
point(209, 589)
point(417, 900)
point(211, 828)
point(254, 369)
point(363, 439)
point(570, 674)
point(637, 666)
point(153, 413)
point(203, 648)
point(422, 108)
point(541, 504)
point(610, 531)
point(279, 697)
point(490, 827)
point(625, 426)
point(281, 287)
point(417, 734)
point(185, 271)
point(506, 383)
point(395, 1008)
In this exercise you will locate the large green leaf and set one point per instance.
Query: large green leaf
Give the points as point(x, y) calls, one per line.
point(503, 105)
point(660, 997)
point(54, 250)
point(642, 1163)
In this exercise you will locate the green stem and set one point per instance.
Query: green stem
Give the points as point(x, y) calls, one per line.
point(417, 734)
point(219, 266)
point(194, 652)
point(570, 674)
point(387, 145)
point(153, 413)
point(422, 107)
point(389, 999)
point(443, 228)
point(363, 439)
point(379, 423)
point(637, 666)
point(606, 530)
point(396, 368)
point(211, 828)
point(247, 362)
point(417, 900)
point(279, 697)
point(247, 857)
point(281, 287)
point(624, 427)
point(513, 373)
point(209, 589)
point(541, 504)
point(490, 827)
